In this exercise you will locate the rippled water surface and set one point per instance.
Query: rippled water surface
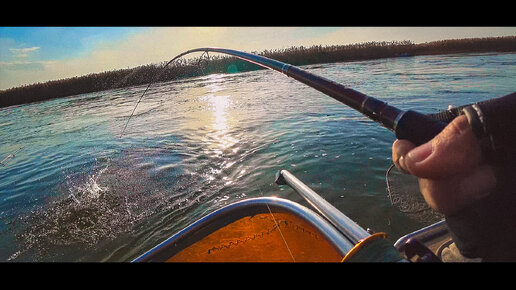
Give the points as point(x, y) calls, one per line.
point(76, 191)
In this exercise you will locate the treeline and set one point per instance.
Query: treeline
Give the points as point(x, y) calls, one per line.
point(185, 68)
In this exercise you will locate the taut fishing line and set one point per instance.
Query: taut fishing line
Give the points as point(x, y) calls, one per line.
point(278, 227)
point(154, 80)
point(144, 92)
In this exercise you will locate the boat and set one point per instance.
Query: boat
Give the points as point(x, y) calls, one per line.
point(273, 229)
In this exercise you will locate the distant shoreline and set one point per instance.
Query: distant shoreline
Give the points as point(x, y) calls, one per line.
point(223, 64)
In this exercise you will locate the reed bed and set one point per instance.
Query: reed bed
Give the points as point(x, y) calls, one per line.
point(204, 65)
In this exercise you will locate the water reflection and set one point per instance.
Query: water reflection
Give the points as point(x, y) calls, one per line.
point(217, 107)
point(220, 142)
point(219, 133)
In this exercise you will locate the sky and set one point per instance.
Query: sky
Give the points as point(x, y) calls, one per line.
point(37, 54)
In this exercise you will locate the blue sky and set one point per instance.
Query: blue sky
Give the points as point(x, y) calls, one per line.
point(38, 54)
point(61, 42)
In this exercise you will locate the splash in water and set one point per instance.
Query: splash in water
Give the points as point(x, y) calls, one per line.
point(92, 208)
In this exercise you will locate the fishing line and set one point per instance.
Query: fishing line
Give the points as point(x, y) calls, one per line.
point(404, 194)
point(148, 86)
point(277, 226)
point(205, 51)
point(134, 109)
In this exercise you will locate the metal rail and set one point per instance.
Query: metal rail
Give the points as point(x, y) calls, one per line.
point(340, 221)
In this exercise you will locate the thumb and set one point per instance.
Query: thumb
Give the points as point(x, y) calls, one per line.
point(454, 150)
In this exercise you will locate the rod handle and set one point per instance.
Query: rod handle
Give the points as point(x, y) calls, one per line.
point(417, 128)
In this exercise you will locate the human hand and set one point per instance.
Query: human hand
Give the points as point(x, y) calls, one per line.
point(449, 167)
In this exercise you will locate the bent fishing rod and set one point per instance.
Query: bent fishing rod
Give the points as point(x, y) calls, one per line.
point(413, 126)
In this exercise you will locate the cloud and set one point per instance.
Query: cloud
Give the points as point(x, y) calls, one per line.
point(23, 52)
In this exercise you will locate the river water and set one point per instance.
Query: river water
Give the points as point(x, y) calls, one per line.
point(76, 190)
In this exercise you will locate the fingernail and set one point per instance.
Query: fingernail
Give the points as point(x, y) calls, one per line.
point(420, 153)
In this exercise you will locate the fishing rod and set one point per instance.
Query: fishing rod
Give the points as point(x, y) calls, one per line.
point(413, 126)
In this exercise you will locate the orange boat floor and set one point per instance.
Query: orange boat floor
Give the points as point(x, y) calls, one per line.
point(257, 239)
